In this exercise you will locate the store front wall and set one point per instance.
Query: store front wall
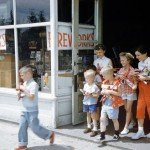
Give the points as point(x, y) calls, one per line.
point(40, 36)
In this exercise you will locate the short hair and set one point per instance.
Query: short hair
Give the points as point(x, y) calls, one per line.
point(100, 46)
point(129, 56)
point(108, 68)
point(26, 69)
point(89, 73)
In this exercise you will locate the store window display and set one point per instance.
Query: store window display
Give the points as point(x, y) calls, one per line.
point(7, 59)
point(33, 51)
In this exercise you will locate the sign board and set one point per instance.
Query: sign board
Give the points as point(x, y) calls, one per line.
point(2, 40)
point(85, 37)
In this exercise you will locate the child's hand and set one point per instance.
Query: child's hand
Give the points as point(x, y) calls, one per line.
point(106, 92)
point(88, 94)
point(22, 88)
point(142, 78)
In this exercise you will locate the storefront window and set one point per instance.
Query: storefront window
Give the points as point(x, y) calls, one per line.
point(32, 11)
point(33, 51)
point(64, 10)
point(65, 60)
point(7, 59)
point(6, 12)
point(86, 16)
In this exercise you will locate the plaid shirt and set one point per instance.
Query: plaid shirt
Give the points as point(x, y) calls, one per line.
point(125, 88)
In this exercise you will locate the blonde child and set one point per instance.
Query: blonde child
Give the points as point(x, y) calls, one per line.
point(91, 93)
point(110, 102)
point(29, 115)
point(128, 88)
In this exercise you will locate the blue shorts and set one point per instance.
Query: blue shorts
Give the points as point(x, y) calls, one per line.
point(89, 108)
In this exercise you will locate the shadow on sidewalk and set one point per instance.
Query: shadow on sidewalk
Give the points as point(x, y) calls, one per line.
point(51, 147)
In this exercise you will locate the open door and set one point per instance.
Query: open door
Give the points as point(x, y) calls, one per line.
point(83, 39)
point(77, 115)
point(84, 58)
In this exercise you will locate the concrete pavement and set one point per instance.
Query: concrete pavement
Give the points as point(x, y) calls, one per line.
point(69, 138)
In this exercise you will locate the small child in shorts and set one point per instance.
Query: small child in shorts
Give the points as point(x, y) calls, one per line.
point(91, 94)
point(111, 101)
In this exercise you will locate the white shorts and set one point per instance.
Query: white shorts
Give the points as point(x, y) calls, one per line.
point(109, 111)
point(129, 97)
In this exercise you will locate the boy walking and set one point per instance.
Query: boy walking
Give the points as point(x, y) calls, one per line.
point(29, 117)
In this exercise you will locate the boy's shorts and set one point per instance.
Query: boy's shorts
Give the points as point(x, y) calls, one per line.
point(89, 108)
point(109, 111)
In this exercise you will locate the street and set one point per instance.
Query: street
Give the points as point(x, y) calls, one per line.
point(8, 140)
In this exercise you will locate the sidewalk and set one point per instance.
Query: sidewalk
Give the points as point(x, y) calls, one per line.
point(125, 142)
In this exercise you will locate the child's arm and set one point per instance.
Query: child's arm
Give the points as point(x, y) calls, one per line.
point(112, 92)
point(26, 92)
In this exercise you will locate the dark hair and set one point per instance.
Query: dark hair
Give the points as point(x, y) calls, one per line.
point(100, 46)
point(142, 49)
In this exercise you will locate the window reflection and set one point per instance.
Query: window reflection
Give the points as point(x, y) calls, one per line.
point(65, 60)
point(6, 12)
point(32, 11)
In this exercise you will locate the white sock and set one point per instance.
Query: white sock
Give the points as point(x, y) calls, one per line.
point(140, 128)
point(89, 125)
point(94, 125)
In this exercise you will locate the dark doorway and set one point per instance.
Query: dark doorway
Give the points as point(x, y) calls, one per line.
point(125, 25)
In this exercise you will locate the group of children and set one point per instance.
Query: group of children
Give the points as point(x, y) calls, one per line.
point(115, 90)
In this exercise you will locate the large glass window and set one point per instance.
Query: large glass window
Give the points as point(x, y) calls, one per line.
point(64, 10)
point(32, 11)
point(6, 12)
point(86, 11)
point(7, 59)
point(33, 51)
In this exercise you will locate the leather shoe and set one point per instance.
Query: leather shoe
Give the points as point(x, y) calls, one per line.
point(52, 138)
point(21, 148)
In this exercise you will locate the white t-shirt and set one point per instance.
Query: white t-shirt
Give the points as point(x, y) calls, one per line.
point(144, 64)
point(102, 62)
point(90, 89)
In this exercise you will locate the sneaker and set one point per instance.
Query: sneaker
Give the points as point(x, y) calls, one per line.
point(94, 133)
point(21, 148)
point(87, 130)
point(116, 137)
point(131, 125)
point(148, 135)
point(124, 131)
point(100, 139)
point(138, 135)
